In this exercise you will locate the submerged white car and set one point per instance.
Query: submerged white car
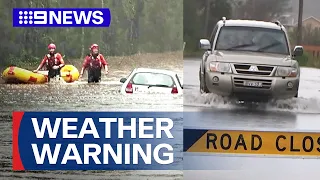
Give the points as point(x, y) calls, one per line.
point(155, 81)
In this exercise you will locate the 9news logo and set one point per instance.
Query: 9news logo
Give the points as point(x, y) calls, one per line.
point(25, 17)
point(61, 17)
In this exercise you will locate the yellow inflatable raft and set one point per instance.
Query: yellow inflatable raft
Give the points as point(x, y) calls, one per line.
point(18, 75)
point(13, 74)
point(69, 73)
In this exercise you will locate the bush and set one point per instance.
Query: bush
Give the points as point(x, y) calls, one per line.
point(313, 62)
point(303, 60)
point(308, 60)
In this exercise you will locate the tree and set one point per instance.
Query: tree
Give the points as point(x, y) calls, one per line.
point(265, 10)
point(199, 19)
point(136, 26)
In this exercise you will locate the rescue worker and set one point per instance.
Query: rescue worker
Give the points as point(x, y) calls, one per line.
point(53, 62)
point(94, 62)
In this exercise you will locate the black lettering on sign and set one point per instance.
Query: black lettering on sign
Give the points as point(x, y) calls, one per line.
point(253, 145)
point(304, 142)
point(228, 137)
point(211, 138)
point(277, 143)
point(240, 142)
point(292, 149)
point(318, 141)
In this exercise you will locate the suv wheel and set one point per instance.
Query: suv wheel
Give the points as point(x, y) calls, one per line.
point(203, 87)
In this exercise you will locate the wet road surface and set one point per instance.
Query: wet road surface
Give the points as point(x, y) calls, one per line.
point(301, 114)
point(78, 96)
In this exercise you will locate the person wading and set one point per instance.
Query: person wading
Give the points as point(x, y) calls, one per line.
point(53, 62)
point(94, 62)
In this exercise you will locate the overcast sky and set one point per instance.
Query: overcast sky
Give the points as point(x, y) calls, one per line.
point(310, 8)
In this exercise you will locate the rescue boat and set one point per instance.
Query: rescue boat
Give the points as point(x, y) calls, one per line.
point(13, 74)
point(69, 73)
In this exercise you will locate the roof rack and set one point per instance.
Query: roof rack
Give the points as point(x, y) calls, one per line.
point(278, 23)
point(224, 20)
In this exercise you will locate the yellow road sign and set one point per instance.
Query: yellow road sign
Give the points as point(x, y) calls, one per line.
point(252, 142)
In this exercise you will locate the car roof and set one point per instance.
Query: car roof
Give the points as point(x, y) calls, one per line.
point(251, 23)
point(150, 70)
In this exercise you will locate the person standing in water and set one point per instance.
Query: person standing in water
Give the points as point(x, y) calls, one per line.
point(94, 62)
point(53, 62)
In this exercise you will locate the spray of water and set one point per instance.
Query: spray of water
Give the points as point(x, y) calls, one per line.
point(296, 105)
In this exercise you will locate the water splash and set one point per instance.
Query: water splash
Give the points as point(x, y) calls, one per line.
point(296, 105)
point(195, 98)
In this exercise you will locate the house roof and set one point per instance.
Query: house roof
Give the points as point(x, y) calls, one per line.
point(311, 17)
point(310, 8)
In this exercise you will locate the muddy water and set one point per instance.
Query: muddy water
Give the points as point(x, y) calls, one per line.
point(78, 96)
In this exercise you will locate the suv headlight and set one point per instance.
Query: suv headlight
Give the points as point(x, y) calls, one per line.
point(220, 67)
point(287, 72)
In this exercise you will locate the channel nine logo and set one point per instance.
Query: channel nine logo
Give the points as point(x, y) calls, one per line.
point(61, 17)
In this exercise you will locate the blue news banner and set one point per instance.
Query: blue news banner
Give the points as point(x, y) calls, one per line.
point(97, 140)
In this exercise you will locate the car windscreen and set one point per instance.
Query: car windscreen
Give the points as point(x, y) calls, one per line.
point(153, 79)
point(256, 39)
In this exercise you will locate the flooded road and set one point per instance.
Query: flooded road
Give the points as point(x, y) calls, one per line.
point(79, 96)
point(301, 114)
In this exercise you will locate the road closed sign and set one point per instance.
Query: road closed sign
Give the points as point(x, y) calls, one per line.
point(252, 142)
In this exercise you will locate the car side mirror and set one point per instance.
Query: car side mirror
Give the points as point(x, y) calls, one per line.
point(123, 80)
point(205, 44)
point(298, 51)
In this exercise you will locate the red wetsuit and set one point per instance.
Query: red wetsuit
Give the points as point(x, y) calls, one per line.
point(51, 60)
point(94, 63)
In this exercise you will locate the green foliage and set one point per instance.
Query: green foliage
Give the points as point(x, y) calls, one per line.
point(308, 60)
point(136, 26)
point(313, 61)
point(195, 18)
point(310, 37)
point(303, 60)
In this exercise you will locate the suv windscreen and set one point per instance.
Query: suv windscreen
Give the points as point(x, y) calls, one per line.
point(256, 39)
point(153, 79)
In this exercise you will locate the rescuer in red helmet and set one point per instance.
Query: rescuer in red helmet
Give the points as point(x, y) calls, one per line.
point(94, 62)
point(53, 61)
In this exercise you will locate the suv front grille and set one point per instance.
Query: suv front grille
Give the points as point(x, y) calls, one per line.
point(239, 82)
point(261, 70)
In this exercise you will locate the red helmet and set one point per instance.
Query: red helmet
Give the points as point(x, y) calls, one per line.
point(51, 46)
point(93, 46)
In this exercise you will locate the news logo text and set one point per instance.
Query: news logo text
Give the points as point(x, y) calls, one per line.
point(61, 17)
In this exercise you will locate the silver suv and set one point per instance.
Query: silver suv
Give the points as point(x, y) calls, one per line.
point(249, 60)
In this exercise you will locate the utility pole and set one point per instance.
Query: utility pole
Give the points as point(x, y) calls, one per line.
point(206, 23)
point(299, 38)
